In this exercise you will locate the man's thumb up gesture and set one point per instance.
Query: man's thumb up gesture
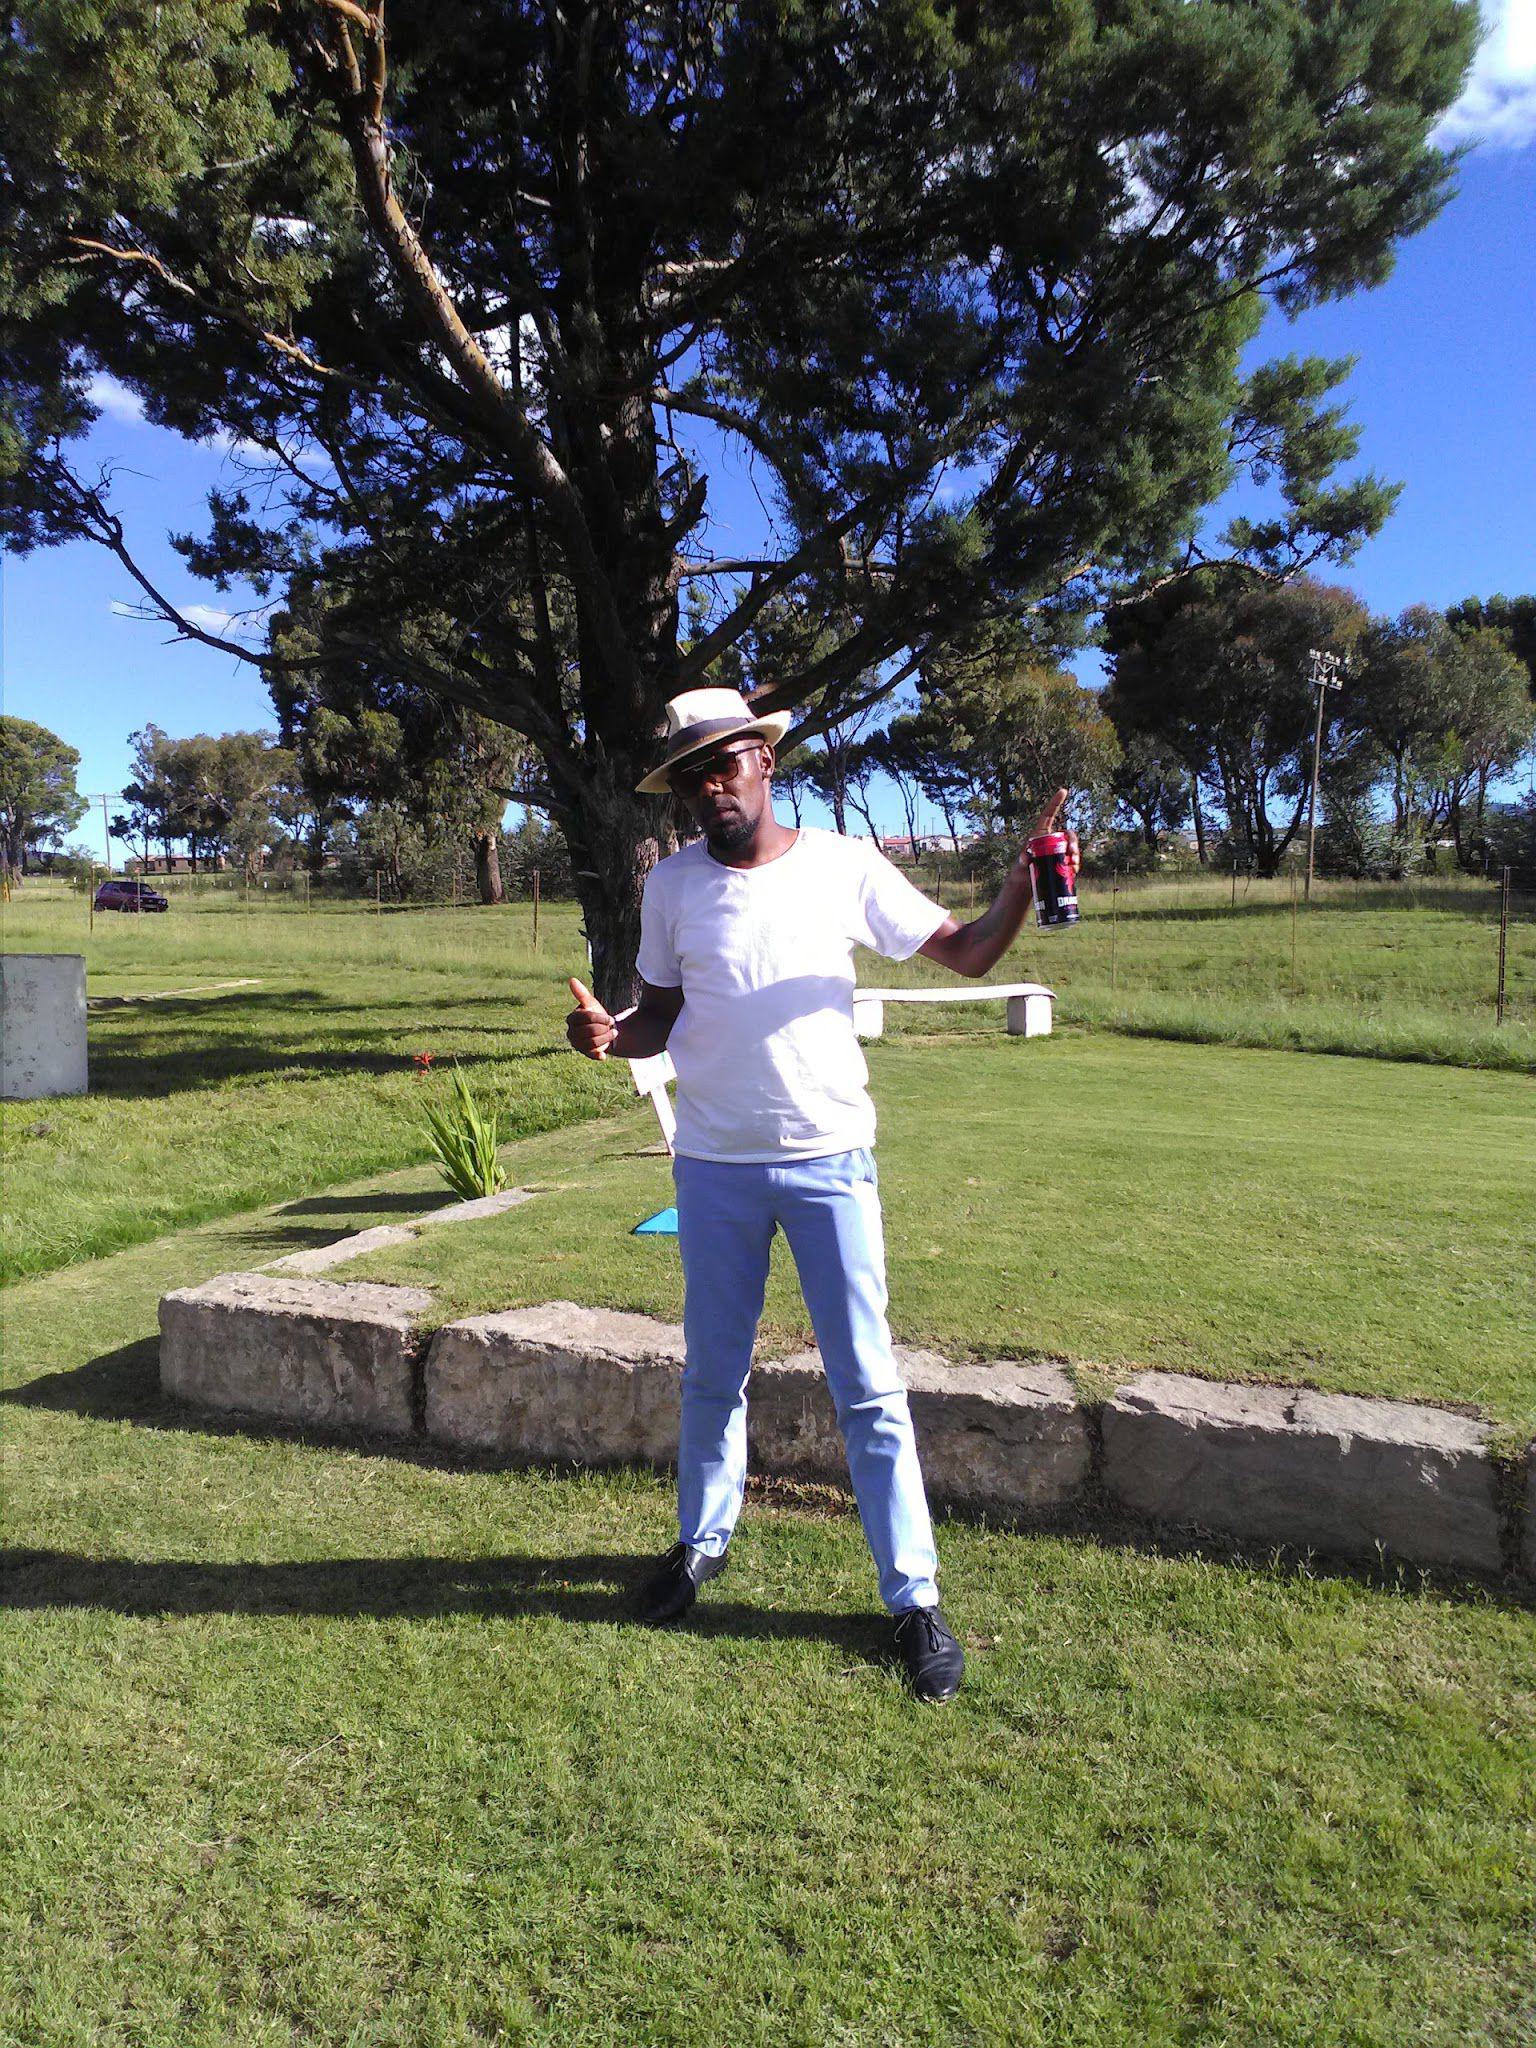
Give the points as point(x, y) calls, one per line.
point(589, 1027)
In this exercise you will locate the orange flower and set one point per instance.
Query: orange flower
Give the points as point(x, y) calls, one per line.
point(423, 1061)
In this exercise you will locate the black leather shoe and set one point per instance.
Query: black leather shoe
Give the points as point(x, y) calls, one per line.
point(674, 1586)
point(935, 1661)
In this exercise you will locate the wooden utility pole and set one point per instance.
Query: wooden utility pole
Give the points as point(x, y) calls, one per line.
point(1324, 676)
point(1503, 942)
point(535, 910)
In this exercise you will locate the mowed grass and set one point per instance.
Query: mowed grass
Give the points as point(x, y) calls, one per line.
point(1238, 1214)
point(205, 1104)
point(1403, 971)
point(310, 1743)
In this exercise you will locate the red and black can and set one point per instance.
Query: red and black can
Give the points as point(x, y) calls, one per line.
point(1052, 880)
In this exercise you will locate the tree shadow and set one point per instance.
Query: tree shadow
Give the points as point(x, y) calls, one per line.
point(132, 1059)
point(418, 1204)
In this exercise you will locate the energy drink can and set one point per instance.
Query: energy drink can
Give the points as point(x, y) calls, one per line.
point(1052, 881)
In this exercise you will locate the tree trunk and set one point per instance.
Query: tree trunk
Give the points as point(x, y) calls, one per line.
point(1199, 817)
point(615, 838)
point(909, 807)
point(487, 867)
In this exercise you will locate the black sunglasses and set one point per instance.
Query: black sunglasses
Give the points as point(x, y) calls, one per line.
point(726, 765)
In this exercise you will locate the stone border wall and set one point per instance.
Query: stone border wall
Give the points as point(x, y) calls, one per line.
point(1329, 1473)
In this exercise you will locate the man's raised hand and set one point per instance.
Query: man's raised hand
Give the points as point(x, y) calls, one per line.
point(1046, 822)
point(589, 1027)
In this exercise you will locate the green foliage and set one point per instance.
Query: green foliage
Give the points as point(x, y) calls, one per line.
point(1216, 670)
point(38, 799)
point(972, 287)
point(1515, 617)
point(1511, 841)
point(465, 1136)
point(1442, 710)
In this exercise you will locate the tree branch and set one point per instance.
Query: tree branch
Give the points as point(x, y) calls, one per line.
point(101, 525)
point(91, 250)
point(362, 125)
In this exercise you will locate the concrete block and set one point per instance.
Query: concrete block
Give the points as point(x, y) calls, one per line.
point(1327, 1472)
point(476, 1211)
point(320, 1258)
point(305, 1351)
point(42, 1025)
point(1030, 1016)
point(1001, 1435)
point(576, 1385)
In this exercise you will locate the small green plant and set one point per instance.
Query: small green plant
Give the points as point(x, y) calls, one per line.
point(464, 1140)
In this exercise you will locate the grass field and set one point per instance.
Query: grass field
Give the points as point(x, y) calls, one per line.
point(1389, 971)
point(205, 1104)
point(315, 1744)
point(1242, 1215)
point(201, 1105)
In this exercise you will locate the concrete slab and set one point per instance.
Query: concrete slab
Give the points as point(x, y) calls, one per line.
point(300, 1350)
point(1327, 1472)
point(1002, 1434)
point(42, 1025)
point(476, 1211)
point(561, 1382)
point(320, 1258)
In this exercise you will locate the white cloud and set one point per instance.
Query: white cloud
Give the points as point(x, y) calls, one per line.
point(208, 618)
point(114, 399)
point(1499, 104)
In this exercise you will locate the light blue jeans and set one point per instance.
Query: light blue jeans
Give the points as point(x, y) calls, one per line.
point(829, 1210)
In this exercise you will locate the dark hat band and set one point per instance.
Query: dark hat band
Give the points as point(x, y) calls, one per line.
point(692, 737)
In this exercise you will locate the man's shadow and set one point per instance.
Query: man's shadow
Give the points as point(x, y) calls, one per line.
point(585, 1589)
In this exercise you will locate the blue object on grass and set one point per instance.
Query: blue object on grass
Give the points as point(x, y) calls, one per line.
point(662, 1224)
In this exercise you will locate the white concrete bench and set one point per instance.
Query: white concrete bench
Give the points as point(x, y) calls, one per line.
point(1029, 1005)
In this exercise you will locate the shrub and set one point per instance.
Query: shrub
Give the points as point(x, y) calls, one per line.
point(464, 1139)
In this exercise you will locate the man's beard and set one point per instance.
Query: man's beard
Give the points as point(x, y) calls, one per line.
point(731, 834)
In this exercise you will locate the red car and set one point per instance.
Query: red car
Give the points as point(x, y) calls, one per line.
point(128, 895)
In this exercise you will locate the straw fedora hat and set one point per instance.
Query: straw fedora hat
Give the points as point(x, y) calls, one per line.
point(699, 720)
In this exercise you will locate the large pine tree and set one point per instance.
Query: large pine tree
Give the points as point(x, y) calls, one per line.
point(494, 283)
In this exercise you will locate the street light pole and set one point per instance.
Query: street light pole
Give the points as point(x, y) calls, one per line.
point(1324, 676)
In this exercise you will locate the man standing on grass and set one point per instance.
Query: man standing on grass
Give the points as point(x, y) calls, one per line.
point(747, 978)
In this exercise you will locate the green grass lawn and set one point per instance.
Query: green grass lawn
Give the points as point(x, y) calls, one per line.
point(206, 1104)
point(1245, 1215)
point(310, 1743)
point(1390, 971)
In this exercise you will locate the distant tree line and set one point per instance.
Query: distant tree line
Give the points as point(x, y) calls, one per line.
point(1205, 731)
point(1212, 696)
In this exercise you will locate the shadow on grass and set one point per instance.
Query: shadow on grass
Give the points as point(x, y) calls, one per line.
point(403, 1204)
point(585, 1589)
point(124, 1386)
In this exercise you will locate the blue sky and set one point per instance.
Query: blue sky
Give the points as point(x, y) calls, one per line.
point(1444, 392)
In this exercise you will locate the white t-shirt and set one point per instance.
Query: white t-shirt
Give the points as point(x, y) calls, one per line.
point(768, 1065)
